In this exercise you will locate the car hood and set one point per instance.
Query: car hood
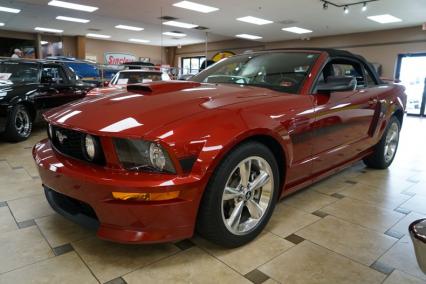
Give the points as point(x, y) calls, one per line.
point(145, 107)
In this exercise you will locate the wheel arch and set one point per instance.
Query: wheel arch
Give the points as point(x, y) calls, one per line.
point(399, 114)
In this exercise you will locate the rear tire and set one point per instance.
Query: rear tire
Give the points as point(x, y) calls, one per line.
point(385, 151)
point(240, 197)
point(19, 125)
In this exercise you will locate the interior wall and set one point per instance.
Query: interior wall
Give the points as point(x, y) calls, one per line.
point(379, 47)
point(98, 48)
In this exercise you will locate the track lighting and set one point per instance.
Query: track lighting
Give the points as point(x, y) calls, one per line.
point(364, 7)
point(346, 10)
point(325, 6)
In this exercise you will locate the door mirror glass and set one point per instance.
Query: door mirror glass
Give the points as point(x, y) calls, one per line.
point(337, 84)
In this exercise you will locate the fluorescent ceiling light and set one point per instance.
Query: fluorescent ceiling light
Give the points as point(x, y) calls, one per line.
point(43, 42)
point(139, 40)
point(248, 36)
point(130, 28)
point(49, 30)
point(384, 19)
point(98, 35)
point(73, 6)
point(9, 10)
point(70, 19)
point(254, 20)
point(1, 24)
point(174, 34)
point(297, 30)
point(180, 24)
point(195, 7)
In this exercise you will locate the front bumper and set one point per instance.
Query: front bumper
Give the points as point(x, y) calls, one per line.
point(83, 192)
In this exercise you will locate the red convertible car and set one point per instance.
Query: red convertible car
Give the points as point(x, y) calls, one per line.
point(163, 160)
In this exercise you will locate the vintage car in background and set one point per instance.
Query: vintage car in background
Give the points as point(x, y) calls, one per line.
point(161, 160)
point(27, 88)
point(131, 76)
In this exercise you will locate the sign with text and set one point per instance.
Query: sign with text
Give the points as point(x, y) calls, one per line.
point(114, 58)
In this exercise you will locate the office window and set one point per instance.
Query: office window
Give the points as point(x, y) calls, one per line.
point(191, 65)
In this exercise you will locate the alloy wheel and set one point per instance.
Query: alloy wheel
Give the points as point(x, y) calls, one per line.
point(391, 143)
point(22, 122)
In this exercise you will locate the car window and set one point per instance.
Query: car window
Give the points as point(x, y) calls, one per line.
point(280, 71)
point(341, 69)
point(53, 74)
point(124, 78)
point(18, 73)
point(369, 78)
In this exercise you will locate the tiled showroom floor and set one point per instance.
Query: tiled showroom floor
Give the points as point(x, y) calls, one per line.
point(351, 228)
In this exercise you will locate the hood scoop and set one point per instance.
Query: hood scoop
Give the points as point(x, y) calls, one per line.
point(161, 87)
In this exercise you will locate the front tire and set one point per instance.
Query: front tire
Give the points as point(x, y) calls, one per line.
point(240, 197)
point(385, 151)
point(19, 125)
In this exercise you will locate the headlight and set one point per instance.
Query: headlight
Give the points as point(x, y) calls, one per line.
point(143, 155)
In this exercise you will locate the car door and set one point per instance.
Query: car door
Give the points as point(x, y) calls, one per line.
point(343, 118)
point(56, 88)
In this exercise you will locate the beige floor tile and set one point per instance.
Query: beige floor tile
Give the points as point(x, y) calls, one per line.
point(110, 260)
point(59, 231)
point(309, 200)
point(398, 277)
point(419, 188)
point(401, 256)
point(330, 185)
point(350, 240)
point(30, 207)
point(402, 225)
point(364, 214)
point(67, 268)
point(286, 220)
point(417, 204)
point(394, 184)
point(246, 258)
point(380, 196)
point(310, 263)
point(271, 281)
point(190, 266)
point(22, 247)
point(15, 190)
point(7, 223)
point(9, 175)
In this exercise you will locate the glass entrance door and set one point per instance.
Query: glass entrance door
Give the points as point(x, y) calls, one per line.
point(411, 70)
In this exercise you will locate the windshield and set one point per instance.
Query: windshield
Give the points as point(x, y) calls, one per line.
point(18, 73)
point(124, 78)
point(281, 71)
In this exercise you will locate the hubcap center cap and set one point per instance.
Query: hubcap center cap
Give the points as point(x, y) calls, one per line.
point(247, 195)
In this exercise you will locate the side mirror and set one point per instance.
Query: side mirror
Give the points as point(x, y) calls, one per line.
point(337, 84)
point(105, 83)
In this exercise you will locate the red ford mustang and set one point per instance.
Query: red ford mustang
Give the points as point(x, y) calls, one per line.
point(162, 160)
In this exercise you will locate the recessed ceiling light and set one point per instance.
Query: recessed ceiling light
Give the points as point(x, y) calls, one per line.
point(49, 30)
point(73, 6)
point(180, 24)
point(9, 10)
point(130, 28)
point(174, 34)
point(43, 42)
point(296, 30)
point(248, 36)
point(98, 35)
point(139, 40)
point(1, 24)
point(254, 20)
point(195, 7)
point(70, 19)
point(384, 19)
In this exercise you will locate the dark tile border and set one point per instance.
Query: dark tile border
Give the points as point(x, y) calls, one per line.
point(62, 249)
point(295, 239)
point(118, 280)
point(320, 214)
point(351, 181)
point(256, 276)
point(3, 204)
point(184, 244)
point(17, 168)
point(408, 193)
point(338, 195)
point(394, 234)
point(382, 267)
point(26, 224)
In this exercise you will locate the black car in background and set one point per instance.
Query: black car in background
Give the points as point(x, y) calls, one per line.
point(27, 88)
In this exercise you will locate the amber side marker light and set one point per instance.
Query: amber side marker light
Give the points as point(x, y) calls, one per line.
point(153, 196)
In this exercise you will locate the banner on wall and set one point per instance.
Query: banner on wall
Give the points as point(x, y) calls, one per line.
point(114, 58)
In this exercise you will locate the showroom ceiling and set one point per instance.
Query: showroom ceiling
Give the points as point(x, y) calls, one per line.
point(221, 24)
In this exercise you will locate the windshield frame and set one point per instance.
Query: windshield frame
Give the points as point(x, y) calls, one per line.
point(201, 75)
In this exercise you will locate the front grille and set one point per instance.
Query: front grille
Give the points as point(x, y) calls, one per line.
point(71, 143)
